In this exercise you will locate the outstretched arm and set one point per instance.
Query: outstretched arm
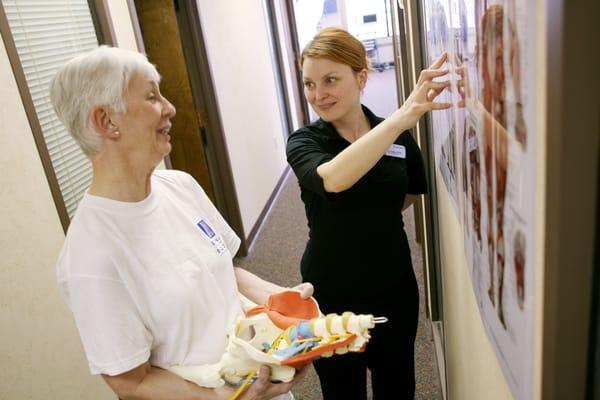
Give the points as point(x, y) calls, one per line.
point(345, 169)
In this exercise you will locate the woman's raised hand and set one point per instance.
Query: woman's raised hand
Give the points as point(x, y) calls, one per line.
point(421, 99)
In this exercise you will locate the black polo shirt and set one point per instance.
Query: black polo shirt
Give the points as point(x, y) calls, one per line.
point(357, 245)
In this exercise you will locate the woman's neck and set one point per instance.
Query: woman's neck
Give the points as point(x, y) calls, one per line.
point(353, 125)
point(120, 179)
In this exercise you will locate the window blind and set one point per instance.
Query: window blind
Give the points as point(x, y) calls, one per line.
point(48, 33)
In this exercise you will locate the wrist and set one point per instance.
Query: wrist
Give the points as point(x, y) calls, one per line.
point(399, 120)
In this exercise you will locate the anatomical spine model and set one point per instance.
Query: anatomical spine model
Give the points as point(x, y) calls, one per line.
point(286, 334)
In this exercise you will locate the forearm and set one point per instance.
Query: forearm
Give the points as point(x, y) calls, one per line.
point(345, 169)
point(158, 384)
point(254, 288)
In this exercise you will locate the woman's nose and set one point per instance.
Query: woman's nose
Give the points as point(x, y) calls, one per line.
point(320, 93)
point(169, 110)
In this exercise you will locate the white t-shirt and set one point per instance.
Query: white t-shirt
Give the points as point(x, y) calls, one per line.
point(151, 280)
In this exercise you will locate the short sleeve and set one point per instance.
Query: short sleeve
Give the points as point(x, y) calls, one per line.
point(112, 331)
point(417, 177)
point(305, 154)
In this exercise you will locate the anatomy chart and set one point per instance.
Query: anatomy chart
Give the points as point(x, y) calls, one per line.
point(485, 151)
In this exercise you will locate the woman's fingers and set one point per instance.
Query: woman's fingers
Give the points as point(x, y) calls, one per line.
point(306, 289)
point(439, 61)
point(429, 74)
point(301, 373)
point(263, 380)
point(431, 94)
point(263, 387)
point(457, 60)
point(435, 88)
point(439, 106)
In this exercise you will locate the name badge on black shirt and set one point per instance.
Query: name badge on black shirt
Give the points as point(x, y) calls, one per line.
point(397, 151)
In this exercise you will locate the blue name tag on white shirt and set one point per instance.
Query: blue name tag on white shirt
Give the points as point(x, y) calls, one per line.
point(206, 228)
point(216, 240)
point(397, 151)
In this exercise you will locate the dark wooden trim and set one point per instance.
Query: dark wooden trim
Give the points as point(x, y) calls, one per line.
point(135, 23)
point(104, 26)
point(593, 375)
point(409, 79)
point(430, 225)
point(34, 123)
point(204, 94)
point(572, 153)
point(253, 235)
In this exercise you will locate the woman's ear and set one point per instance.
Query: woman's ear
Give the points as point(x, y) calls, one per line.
point(102, 123)
point(362, 76)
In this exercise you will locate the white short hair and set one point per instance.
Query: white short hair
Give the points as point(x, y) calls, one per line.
point(96, 78)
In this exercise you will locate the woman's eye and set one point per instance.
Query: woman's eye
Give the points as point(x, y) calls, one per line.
point(331, 79)
point(309, 85)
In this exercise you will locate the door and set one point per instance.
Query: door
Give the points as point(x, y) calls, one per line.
point(162, 41)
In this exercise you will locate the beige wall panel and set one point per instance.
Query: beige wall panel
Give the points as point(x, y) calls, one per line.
point(471, 364)
point(237, 43)
point(41, 356)
point(40, 353)
point(121, 20)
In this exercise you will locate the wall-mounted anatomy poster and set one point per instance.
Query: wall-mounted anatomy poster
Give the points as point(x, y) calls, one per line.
point(486, 152)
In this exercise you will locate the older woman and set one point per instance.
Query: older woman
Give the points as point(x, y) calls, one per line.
point(146, 265)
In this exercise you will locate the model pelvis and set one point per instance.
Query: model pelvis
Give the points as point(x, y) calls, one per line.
point(286, 334)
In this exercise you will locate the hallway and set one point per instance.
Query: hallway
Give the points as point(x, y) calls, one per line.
point(276, 256)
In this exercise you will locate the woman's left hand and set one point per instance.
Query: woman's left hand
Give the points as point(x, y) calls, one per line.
point(306, 289)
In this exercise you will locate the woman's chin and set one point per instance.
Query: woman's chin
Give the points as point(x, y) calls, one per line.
point(326, 115)
point(165, 149)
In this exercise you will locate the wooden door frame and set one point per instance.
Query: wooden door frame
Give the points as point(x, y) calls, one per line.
point(571, 190)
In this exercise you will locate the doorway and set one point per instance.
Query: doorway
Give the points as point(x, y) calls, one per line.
point(188, 153)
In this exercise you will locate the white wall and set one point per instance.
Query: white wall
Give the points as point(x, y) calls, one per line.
point(237, 43)
point(41, 356)
point(119, 13)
